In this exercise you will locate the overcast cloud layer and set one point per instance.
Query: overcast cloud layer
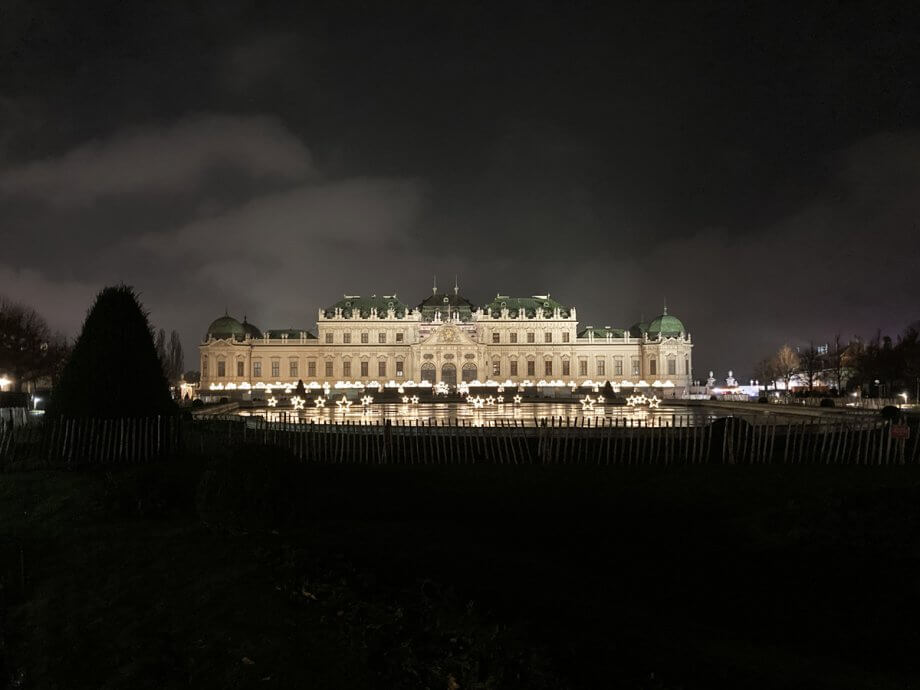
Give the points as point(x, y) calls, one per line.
point(759, 173)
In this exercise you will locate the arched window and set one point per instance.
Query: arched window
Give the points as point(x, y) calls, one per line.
point(449, 374)
point(470, 372)
point(428, 372)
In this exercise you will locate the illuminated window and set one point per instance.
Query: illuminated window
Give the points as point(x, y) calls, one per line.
point(381, 338)
point(635, 366)
point(514, 367)
point(364, 369)
point(276, 368)
point(381, 368)
point(346, 338)
point(329, 339)
point(311, 369)
point(364, 338)
point(496, 338)
point(292, 368)
point(618, 367)
point(496, 367)
point(256, 369)
point(565, 367)
point(601, 368)
point(399, 367)
point(328, 369)
point(221, 369)
point(346, 369)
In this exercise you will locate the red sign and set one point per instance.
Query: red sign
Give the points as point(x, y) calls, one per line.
point(900, 432)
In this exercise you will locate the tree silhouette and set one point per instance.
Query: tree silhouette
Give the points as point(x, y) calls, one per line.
point(114, 370)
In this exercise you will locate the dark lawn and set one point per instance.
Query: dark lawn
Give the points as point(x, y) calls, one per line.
point(405, 577)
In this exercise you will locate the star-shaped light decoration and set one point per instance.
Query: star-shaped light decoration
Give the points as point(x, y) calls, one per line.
point(366, 400)
point(344, 404)
point(405, 400)
point(500, 389)
point(490, 400)
point(414, 400)
point(297, 402)
point(653, 402)
point(463, 388)
point(477, 401)
point(517, 399)
point(587, 403)
point(320, 402)
point(441, 388)
point(272, 402)
point(600, 400)
point(500, 400)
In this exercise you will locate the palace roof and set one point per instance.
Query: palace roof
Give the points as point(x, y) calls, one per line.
point(530, 306)
point(666, 325)
point(444, 303)
point(601, 332)
point(356, 306)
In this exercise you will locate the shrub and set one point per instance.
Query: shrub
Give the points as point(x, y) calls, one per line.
point(713, 397)
point(890, 413)
point(197, 403)
point(114, 370)
point(763, 400)
point(224, 400)
point(827, 402)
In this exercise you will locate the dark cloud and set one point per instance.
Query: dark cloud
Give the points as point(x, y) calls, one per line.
point(755, 166)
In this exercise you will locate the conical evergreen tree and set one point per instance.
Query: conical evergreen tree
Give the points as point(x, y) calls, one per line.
point(114, 370)
point(300, 389)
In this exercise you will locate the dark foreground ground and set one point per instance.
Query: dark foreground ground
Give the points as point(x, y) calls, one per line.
point(244, 574)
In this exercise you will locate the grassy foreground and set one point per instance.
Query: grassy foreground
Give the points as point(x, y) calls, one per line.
point(256, 573)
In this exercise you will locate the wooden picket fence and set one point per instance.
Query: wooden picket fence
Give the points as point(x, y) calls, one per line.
point(558, 440)
point(81, 442)
point(604, 441)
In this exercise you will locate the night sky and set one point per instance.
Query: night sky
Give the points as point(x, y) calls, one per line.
point(758, 167)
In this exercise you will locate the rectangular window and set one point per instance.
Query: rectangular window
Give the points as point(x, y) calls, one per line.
point(346, 369)
point(240, 369)
point(548, 367)
point(329, 339)
point(381, 368)
point(582, 367)
point(328, 369)
point(530, 337)
point(399, 337)
point(496, 338)
point(565, 336)
point(514, 367)
point(311, 369)
point(618, 367)
point(635, 367)
point(601, 368)
point(548, 337)
point(531, 367)
point(364, 338)
point(276, 368)
point(221, 369)
point(672, 367)
point(292, 368)
point(496, 367)
point(346, 338)
point(565, 367)
point(399, 368)
point(382, 338)
point(257, 370)
point(364, 367)
point(514, 337)
point(652, 367)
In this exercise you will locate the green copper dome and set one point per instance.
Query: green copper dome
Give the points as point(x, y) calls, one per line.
point(666, 325)
point(226, 327)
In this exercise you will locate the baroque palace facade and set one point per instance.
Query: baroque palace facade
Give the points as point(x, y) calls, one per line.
point(446, 338)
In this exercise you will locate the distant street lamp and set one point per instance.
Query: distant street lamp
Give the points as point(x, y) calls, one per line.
point(4, 382)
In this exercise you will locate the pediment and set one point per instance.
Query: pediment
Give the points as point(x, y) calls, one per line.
point(448, 334)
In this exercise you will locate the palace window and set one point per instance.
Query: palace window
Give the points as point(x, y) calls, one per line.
point(565, 367)
point(496, 367)
point(346, 369)
point(346, 338)
point(496, 337)
point(548, 337)
point(329, 339)
point(399, 367)
point(382, 338)
point(399, 336)
point(276, 368)
point(257, 369)
point(364, 339)
point(382, 368)
point(687, 365)
point(240, 369)
point(601, 368)
point(530, 337)
point(311, 369)
point(364, 369)
point(548, 367)
point(582, 367)
point(531, 368)
point(328, 369)
point(292, 368)
point(514, 337)
point(514, 367)
point(221, 369)
point(635, 367)
point(618, 367)
point(672, 366)
point(652, 367)
point(565, 336)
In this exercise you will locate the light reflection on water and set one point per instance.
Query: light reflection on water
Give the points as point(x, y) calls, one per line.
point(528, 414)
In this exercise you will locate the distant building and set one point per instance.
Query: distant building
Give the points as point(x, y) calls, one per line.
point(447, 338)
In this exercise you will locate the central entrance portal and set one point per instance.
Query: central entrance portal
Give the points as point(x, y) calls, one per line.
point(449, 374)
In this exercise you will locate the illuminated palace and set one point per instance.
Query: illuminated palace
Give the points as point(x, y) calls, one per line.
point(446, 338)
